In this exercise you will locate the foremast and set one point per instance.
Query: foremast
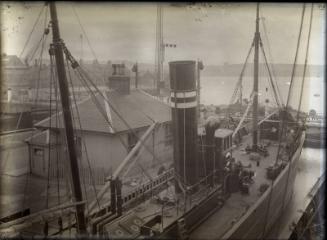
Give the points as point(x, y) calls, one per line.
point(256, 83)
point(65, 101)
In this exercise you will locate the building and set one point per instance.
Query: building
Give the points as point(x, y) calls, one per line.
point(106, 144)
point(12, 62)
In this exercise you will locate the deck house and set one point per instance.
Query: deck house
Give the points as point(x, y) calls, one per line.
point(104, 138)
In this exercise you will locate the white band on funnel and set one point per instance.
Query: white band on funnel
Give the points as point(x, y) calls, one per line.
point(183, 94)
point(184, 105)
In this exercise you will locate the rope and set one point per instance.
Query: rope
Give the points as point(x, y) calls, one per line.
point(291, 82)
point(36, 99)
point(44, 34)
point(239, 82)
point(101, 110)
point(204, 159)
point(271, 65)
point(295, 60)
point(270, 76)
point(30, 34)
point(44, 38)
point(84, 75)
point(283, 123)
point(56, 124)
point(305, 64)
point(117, 112)
point(95, 101)
point(49, 143)
point(82, 135)
point(81, 170)
point(184, 144)
point(34, 49)
point(87, 39)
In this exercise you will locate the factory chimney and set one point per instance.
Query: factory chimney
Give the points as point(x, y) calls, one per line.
point(118, 80)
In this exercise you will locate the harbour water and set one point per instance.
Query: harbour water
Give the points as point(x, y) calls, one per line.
point(218, 90)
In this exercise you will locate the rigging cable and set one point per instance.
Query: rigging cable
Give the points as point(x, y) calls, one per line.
point(56, 121)
point(305, 64)
point(86, 77)
point(44, 37)
point(291, 82)
point(238, 86)
point(95, 101)
point(83, 76)
point(33, 28)
point(283, 125)
point(269, 73)
point(184, 151)
point(271, 65)
point(98, 105)
point(82, 135)
point(83, 72)
point(87, 39)
point(77, 149)
point(303, 79)
point(49, 143)
point(21, 114)
point(30, 55)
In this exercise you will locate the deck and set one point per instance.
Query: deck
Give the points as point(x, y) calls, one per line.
point(238, 204)
point(220, 221)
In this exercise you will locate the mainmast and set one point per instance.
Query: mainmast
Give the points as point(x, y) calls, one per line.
point(255, 83)
point(65, 101)
point(159, 49)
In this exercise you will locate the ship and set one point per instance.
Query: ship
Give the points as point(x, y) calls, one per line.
point(226, 182)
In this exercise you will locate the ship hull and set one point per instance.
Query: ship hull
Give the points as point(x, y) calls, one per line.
point(258, 220)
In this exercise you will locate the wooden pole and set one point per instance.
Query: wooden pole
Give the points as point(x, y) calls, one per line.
point(65, 101)
point(255, 83)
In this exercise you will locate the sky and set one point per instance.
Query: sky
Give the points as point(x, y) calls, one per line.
point(126, 31)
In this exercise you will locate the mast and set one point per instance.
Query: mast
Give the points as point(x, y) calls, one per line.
point(256, 83)
point(159, 49)
point(65, 101)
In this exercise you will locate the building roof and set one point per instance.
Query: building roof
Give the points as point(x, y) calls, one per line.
point(19, 107)
point(12, 61)
point(137, 109)
point(40, 138)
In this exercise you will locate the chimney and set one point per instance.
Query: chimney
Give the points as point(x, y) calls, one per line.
point(119, 81)
point(184, 122)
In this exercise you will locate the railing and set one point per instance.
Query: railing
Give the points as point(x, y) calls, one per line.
point(141, 191)
point(148, 187)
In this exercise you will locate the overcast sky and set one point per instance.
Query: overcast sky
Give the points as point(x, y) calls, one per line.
point(222, 33)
